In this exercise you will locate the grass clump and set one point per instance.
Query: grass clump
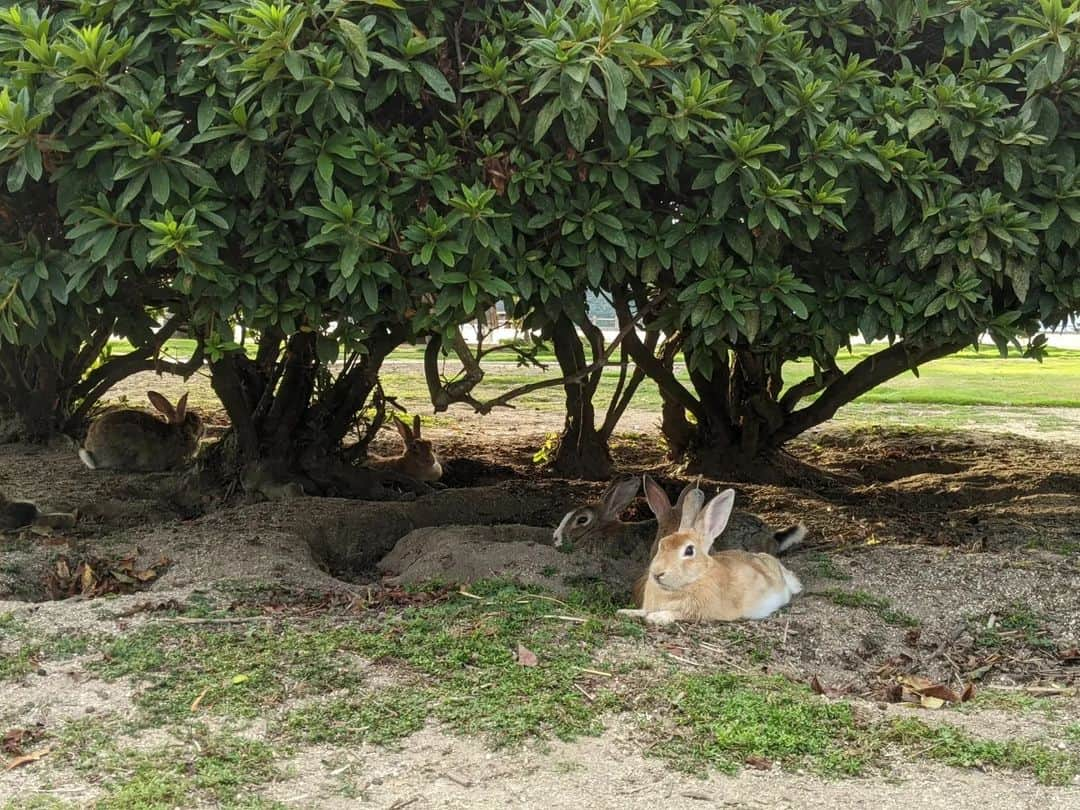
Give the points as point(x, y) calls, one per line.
point(724, 720)
point(876, 604)
point(951, 746)
point(31, 654)
point(1019, 624)
point(467, 648)
point(825, 567)
point(464, 648)
point(379, 716)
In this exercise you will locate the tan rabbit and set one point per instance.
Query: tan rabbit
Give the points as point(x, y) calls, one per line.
point(20, 514)
point(744, 531)
point(419, 461)
point(138, 441)
point(687, 583)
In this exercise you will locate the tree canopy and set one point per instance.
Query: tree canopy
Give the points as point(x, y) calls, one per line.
point(746, 183)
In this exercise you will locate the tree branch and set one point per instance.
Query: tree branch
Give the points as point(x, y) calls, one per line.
point(864, 376)
point(653, 367)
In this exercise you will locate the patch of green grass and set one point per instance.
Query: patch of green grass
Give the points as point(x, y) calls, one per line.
point(467, 648)
point(377, 716)
point(1017, 702)
point(1019, 624)
point(825, 566)
point(1072, 732)
point(219, 768)
point(201, 767)
point(238, 672)
point(464, 646)
point(952, 746)
point(32, 653)
point(876, 604)
point(722, 720)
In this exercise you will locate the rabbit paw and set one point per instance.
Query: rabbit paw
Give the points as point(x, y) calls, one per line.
point(661, 618)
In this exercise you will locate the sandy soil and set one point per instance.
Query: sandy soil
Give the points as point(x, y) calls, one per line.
point(954, 531)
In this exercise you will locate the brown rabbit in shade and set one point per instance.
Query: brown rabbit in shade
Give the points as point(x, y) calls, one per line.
point(687, 583)
point(596, 527)
point(419, 461)
point(137, 441)
point(20, 514)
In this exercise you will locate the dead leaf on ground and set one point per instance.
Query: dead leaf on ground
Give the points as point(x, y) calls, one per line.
point(526, 657)
point(14, 739)
point(26, 759)
point(92, 576)
point(759, 763)
point(819, 688)
point(1070, 656)
point(894, 693)
point(926, 693)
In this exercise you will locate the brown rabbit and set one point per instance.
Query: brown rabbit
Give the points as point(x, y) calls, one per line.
point(138, 441)
point(596, 528)
point(419, 461)
point(20, 514)
point(687, 583)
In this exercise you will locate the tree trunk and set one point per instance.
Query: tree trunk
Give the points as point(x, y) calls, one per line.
point(582, 451)
point(280, 422)
point(743, 420)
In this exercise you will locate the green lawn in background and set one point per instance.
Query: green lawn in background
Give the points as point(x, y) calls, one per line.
point(966, 378)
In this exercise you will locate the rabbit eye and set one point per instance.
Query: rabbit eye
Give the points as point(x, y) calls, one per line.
point(582, 520)
point(688, 551)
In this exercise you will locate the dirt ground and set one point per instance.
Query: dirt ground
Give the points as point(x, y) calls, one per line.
point(925, 547)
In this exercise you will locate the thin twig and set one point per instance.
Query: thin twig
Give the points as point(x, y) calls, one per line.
point(595, 672)
point(588, 697)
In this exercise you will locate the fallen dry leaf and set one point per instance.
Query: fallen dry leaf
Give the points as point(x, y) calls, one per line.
point(13, 740)
point(916, 683)
point(928, 702)
point(526, 657)
point(941, 692)
point(759, 763)
point(195, 703)
point(1070, 656)
point(968, 693)
point(34, 756)
point(819, 688)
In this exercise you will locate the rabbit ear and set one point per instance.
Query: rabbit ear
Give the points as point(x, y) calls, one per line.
point(690, 502)
point(713, 519)
point(658, 500)
point(181, 408)
point(403, 429)
point(618, 497)
point(416, 426)
point(162, 404)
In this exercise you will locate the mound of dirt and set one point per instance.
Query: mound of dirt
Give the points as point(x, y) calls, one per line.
point(466, 554)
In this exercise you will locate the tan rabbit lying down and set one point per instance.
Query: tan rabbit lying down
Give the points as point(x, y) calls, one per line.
point(419, 461)
point(687, 583)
